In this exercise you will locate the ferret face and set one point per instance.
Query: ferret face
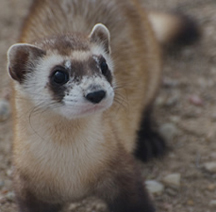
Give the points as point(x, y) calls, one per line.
point(71, 76)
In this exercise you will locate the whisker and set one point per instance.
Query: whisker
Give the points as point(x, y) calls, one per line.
point(35, 109)
point(71, 100)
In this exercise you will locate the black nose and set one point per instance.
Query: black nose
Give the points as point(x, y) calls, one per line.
point(96, 96)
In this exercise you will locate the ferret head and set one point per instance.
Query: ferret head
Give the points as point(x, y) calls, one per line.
point(72, 74)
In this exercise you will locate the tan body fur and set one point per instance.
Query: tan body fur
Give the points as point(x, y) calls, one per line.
point(60, 160)
point(137, 72)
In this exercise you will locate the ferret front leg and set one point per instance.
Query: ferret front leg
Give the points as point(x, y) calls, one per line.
point(124, 191)
point(131, 198)
point(26, 200)
point(31, 204)
point(38, 207)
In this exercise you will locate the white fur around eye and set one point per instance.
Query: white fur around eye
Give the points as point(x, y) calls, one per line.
point(36, 83)
point(68, 64)
point(81, 55)
point(98, 50)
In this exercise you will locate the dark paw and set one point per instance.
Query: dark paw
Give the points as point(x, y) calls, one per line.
point(150, 145)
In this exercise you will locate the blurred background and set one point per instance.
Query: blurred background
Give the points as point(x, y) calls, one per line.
point(185, 110)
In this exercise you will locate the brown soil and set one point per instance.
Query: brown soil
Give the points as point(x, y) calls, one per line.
point(187, 101)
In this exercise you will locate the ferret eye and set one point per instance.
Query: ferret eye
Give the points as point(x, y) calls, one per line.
point(104, 67)
point(60, 77)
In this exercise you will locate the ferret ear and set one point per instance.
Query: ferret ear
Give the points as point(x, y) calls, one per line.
point(22, 59)
point(101, 36)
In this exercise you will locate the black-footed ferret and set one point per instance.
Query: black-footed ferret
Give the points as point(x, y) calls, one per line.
point(84, 74)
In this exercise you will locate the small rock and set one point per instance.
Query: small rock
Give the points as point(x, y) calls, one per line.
point(8, 183)
point(100, 207)
point(9, 172)
point(168, 101)
point(10, 196)
point(160, 101)
point(154, 187)
point(2, 184)
point(213, 70)
point(211, 135)
point(172, 155)
point(72, 206)
point(167, 207)
point(210, 166)
point(205, 83)
point(190, 202)
point(170, 83)
point(213, 117)
point(212, 203)
point(4, 191)
point(171, 192)
point(4, 110)
point(168, 131)
point(213, 155)
point(172, 101)
point(195, 100)
point(211, 187)
point(175, 119)
point(172, 180)
point(2, 200)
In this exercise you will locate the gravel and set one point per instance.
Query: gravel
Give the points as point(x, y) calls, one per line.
point(154, 187)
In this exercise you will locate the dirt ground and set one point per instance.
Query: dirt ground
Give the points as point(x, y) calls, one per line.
point(185, 111)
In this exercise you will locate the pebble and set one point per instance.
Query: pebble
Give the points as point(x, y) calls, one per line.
point(160, 101)
point(205, 83)
point(167, 207)
point(212, 203)
point(175, 119)
point(172, 101)
point(10, 196)
point(172, 155)
point(168, 101)
point(211, 187)
point(210, 166)
point(171, 192)
point(4, 110)
point(170, 83)
point(100, 207)
point(2, 200)
point(211, 134)
point(2, 184)
point(195, 100)
point(154, 187)
point(173, 180)
point(213, 155)
point(190, 202)
point(168, 131)
point(9, 172)
point(72, 206)
point(213, 117)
